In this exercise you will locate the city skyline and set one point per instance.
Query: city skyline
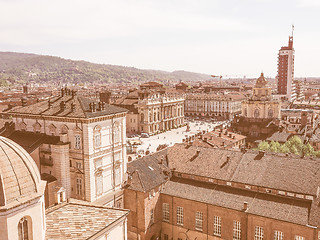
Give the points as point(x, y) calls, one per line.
point(212, 37)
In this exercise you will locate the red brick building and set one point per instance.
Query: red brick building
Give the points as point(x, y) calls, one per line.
point(188, 192)
point(285, 83)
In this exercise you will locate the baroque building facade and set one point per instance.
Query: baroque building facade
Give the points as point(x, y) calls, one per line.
point(153, 109)
point(259, 113)
point(217, 106)
point(77, 142)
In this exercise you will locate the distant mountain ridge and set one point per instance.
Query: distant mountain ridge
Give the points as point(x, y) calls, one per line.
point(26, 67)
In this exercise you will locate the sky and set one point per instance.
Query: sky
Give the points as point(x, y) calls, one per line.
point(231, 38)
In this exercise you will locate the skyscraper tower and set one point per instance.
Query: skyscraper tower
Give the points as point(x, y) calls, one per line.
point(285, 83)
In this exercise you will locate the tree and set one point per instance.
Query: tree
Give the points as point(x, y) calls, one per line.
point(284, 149)
point(274, 146)
point(264, 146)
point(308, 150)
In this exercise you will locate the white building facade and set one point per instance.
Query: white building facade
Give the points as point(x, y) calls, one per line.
point(88, 159)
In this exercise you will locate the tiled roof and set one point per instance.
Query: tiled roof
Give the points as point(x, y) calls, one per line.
point(213, 139)
point(258, 203)
point(148, 172)
point(276, 171)
point(79, 221)
point(279, 137)
point(81, 108)
point(30, 140)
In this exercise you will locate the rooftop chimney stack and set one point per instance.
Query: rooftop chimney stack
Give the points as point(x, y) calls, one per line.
point(23, 102)
point(73, 106)
point(62, 106)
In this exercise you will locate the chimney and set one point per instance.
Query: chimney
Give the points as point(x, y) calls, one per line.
point(195, 156)
point(94, 107)
point(62, 106)
point(23, 102)
point(245, 206)
point(100, 106)
point(25, 89)
point(230, 135)
point(219, 134)
point(49, 103)
point(73, 107)
point(62, 92)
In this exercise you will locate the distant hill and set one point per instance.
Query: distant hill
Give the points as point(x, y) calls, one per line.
point(24, 67)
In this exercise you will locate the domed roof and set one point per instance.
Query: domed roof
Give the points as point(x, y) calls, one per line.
point(261, 82)
point(19, 174)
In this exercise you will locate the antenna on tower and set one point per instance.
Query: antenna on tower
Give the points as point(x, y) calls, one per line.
point(292, 30)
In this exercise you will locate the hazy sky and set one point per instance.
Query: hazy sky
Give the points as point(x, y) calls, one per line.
point(225, 37)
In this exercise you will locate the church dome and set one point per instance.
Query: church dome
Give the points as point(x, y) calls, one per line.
point(261, 82)
point(19, 175)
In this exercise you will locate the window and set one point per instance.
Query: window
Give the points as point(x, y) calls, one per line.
point(79, 186)
point(258, 233)
point(78, 165)
point(199, 220)
point(165, 212)
point(296, 237)
point(256, 113)
point(180, 215)
point(97, 140)
point(99, 184)
point(165, 237)
point(77, 142)
point(23, 230)
point(98, 163)
point(236, 230)
point(152, 216)
point(270, 113)
point(116, 132)
point(278, 235)
point(217, 226)
point(97, 136)
point(118, 176)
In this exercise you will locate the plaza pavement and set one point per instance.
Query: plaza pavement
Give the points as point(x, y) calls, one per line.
point(174, 136)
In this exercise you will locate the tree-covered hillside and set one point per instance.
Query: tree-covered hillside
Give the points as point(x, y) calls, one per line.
point(23, 67)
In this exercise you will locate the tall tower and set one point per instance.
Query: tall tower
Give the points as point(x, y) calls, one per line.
point(285, 83)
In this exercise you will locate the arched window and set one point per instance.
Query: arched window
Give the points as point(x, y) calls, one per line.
point(64, 129)
point(52, 129)
point(142, 117)
point(270, 113)
point(23, 126)
point(256, 113)
point(23, 229)
point(37, 127)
